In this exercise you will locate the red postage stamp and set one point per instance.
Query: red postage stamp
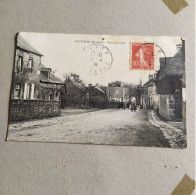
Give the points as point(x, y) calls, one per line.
point(142, 56)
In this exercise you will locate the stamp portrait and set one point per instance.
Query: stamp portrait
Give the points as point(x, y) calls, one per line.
point(142, 56)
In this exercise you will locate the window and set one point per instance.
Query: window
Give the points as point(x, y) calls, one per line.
point(30, 62)
point(20, 64)
point(51, 97)
point(43, 97)
point(17, 91)
point(29, 91)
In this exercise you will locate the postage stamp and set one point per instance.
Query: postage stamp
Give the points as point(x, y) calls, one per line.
point(98, 57)
point(142, 56)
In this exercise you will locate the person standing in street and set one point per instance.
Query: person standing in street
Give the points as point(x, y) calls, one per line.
point(133, 103)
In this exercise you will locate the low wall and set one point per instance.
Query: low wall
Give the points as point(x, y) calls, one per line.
point(32, 109)
point(167, 107)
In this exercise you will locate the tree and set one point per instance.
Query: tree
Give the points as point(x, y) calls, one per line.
point(75, 89)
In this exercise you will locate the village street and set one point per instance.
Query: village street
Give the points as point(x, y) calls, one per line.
point(110, 126)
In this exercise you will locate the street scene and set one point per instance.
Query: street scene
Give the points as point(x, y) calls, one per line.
point(78, 126)
point(97, 101)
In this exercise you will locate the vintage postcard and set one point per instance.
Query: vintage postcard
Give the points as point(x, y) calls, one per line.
point(99, 89)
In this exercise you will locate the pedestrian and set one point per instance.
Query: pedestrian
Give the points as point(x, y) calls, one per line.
point(133, 103)
point(134, 107)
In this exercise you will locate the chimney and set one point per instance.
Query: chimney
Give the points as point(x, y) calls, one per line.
point(150, 77)
point(97, 84)
point(121, 84)
point(183, 49)
point(162, 62)
point(75, 76)
point(90, 85)
point(179, 46)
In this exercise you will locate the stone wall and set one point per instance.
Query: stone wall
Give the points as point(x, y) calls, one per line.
point(167, 107)
point(31, 109)
point(184, 105)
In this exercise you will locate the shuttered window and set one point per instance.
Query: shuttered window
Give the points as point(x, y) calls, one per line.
point(20, 64)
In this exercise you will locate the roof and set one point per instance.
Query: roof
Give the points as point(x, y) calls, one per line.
point(53, 78)
point(23, 44)
point(79, 85)
point(149, 83)
point(99, 89)
point(56, 79)
point(46, 69)
point(51, 82)
point(176, 66)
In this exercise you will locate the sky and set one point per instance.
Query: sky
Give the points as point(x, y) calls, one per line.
point(69, 53)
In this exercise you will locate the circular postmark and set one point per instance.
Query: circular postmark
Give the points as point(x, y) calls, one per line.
point(98, 58)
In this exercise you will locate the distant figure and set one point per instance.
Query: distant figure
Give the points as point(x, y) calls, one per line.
point(133, 103)
point(124, 105)
point(120, 105)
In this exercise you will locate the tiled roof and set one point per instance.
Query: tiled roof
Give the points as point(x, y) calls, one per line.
point(79, 85)
point(149, 83)
point(174, 67)
point(99, 89)
point(23, 44)
point(53, 78)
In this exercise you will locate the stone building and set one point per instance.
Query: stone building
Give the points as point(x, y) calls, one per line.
point(26, 79)
point(51, 86)
point(117, 92)
point(95, 97)
point(149, 96)
point(171, 86)
point(33, 81)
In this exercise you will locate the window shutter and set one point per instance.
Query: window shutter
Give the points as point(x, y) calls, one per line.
point(32, 90)
point(25, 91)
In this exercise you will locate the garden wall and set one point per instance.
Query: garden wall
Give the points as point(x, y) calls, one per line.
point(33, 109)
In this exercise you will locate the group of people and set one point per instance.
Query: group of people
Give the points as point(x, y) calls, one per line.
point(129, 105)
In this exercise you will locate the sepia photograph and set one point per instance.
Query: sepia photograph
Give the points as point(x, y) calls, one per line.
point(99, 89)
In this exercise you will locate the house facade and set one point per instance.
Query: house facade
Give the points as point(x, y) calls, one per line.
point(149, 97)
point(52, 88)
point(33, 84)
point(26, 80)
point(117, 92)
point(171, 86)
point(32, 80)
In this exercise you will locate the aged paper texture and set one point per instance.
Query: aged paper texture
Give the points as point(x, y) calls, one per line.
point(99, 89)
